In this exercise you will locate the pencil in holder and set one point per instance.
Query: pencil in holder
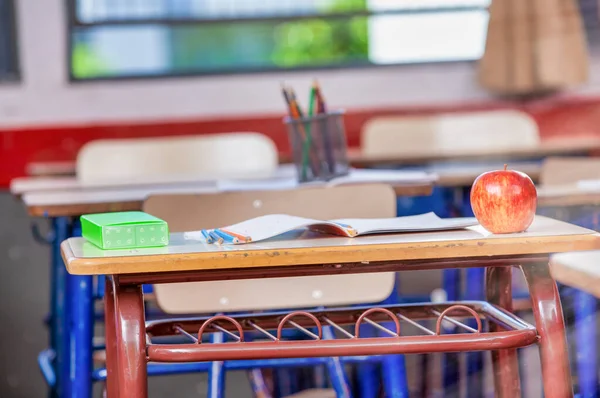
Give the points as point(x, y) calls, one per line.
point(318, 145)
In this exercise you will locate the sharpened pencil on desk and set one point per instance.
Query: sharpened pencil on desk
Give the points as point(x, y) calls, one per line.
point(241, 238)
point(226, 237)
point(206, 235)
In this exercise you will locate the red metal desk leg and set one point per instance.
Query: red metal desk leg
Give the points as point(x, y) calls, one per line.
point(131, 341)
point(112, 382)
point(506, 364)
point(550, 325)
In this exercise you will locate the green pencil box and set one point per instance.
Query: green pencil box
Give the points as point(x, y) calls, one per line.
point(125, 230)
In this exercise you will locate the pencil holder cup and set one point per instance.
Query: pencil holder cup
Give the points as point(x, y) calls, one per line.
point(318, 145)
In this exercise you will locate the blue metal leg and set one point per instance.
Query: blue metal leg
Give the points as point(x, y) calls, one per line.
point(367, 372)
point(100, 281)
point(80, 319)
point(59, 337)
point(319, 377)
point(475, 291)
point(283, 386)
point(394, 366)
point(451, 360)
point(258, 383)
point(338, 378)
point(216, 373)
point(394, 376)
point(585, 332)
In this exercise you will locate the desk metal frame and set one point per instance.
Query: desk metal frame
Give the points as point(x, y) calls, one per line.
point(129, 347)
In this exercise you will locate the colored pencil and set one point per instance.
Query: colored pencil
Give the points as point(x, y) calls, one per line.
point(216, 238)
point(242, 238)
point(226, 237)
point(322, 109)
point(208, 238)
point(286, 96)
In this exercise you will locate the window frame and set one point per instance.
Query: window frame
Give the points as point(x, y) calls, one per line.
point(74, 23)
point(13, 74)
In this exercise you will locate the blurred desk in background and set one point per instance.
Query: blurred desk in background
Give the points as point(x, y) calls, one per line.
point(75, 201)
point(576, 194)
point(549, 147)
point(50, 169)
point(583, 146)
point(464, 174)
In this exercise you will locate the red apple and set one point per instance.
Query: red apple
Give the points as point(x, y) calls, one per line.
point(504, 201)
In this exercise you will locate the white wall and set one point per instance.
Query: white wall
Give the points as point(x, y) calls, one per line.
point(45, 97)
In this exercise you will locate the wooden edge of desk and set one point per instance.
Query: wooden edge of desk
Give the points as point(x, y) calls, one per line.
point(66, 253)
point(424, 189)
point(309, 256)
point(76, 210)
point(574, 277)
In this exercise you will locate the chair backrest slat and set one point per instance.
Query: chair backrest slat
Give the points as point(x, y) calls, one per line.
point(449, 134)
point(164, 158)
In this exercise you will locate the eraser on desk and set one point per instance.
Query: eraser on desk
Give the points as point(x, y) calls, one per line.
point(125, 230)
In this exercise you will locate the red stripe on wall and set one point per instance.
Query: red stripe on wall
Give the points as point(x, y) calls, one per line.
point(565, 117)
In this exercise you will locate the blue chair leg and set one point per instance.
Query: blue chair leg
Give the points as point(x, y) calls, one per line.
point(585, 332)
point(283, 385)
point(368, 375)
point(80, 321)
point(475, 291)
point(475, 278)
point(59, 336)
point(394, 376)
point(81, 325)
point(394, 366)
point(319, 377)
point(451, 283)
point(216, 373)
point(337, 375)
point(258, 383)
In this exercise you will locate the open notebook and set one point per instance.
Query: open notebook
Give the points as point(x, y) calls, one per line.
point(265, 227)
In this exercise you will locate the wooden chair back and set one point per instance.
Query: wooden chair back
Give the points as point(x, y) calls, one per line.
point(160, 159)
point(192, 212)
point(569, 170)
point(449, 134)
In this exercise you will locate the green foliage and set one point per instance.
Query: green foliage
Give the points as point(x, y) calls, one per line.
point(320, 41)
point(86, 64)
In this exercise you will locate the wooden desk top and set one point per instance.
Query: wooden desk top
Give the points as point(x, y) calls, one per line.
point(580, 270)
point(544, 236)
point(130, 197)
point(561, 146)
